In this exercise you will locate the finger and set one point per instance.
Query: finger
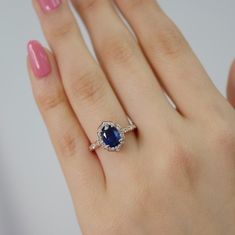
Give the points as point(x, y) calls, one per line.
point(82, 170)
point(123, 61)
point(178, 69)
point(86, 86)
point(231, 85)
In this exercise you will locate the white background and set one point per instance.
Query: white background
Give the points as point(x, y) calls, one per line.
point(34, 199)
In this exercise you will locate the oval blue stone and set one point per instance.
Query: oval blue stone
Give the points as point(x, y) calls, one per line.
point(111, 136)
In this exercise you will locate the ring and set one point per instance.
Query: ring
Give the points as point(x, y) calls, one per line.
point(111, 136)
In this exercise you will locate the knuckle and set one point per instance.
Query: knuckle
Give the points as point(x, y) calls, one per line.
point(132, 4)
point(60, 29)
point(224, 136)
point(180, 165)
point(119, 50)
point(49, 101)
point(68, 143)
point(180, 156)
point(170, 42)
point(88, 86)
point(86, 4)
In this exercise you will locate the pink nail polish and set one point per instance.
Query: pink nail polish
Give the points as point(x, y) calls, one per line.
point(38, 58)
point(49, 5)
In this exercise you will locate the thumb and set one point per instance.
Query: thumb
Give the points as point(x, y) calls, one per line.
point(231, 85)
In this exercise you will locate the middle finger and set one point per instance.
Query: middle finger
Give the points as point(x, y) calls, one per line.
point(123, 61)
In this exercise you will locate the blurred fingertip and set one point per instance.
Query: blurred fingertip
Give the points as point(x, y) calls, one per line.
point(231, 85)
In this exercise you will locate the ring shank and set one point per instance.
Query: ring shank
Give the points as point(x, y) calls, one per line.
point(94, 146)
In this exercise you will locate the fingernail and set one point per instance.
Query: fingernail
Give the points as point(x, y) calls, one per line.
point(49, 5)
point(38, 58)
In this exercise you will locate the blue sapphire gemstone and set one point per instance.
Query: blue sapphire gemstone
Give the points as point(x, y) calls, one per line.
point(111, 136)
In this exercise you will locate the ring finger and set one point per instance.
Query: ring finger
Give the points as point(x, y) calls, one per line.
point(90, 94)
point(123, 61)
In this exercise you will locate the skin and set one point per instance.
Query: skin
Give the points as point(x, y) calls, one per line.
point(176, 174)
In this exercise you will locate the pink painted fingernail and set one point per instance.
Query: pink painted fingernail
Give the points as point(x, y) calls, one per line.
point(49, 5)
point(38, 58)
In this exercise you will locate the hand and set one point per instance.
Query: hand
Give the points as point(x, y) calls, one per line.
point(176, 174)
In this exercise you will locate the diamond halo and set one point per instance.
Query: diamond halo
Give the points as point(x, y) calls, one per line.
point(102, 142)
point(111, 136)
